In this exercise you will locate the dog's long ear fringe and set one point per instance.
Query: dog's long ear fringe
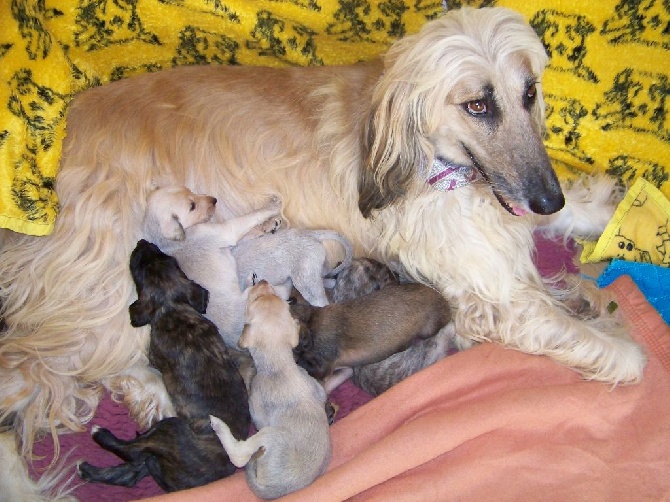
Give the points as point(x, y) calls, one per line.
point(391, 146)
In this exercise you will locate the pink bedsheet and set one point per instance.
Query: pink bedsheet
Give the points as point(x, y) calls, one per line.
point(495, 424)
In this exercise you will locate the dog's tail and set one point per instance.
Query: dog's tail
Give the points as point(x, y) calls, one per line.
point(332, 235)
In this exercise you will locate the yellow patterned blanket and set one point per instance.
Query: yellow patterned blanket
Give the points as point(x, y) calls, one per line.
point(607, 87)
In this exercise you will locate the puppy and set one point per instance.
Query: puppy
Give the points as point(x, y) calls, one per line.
point(375, 378)
point(292, 446)
point(366, 330)
point(362, 277)
point(177, 221)
point(291, 257)
point(201, 379)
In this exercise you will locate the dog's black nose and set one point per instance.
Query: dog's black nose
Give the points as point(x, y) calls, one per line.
point(547, 204)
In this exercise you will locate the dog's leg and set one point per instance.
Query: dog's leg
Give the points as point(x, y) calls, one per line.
point(142, 390)
point(267, 227)
point(339, 376)
point(127, 474)
point(239, 452)
point(311, 287)
point(599, 348)
point(229, 233)
point(583, 299)
point(129, 451)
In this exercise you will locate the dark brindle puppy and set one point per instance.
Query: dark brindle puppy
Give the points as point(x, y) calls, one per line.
point(367, 329)
point(201, 378)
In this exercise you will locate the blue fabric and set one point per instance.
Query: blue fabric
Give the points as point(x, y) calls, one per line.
point(652, 280)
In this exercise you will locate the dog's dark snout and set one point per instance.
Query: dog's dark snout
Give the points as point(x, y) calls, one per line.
point(547, 204)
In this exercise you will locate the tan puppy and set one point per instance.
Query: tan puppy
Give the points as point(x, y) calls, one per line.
point(367, 329)
point(292, 446)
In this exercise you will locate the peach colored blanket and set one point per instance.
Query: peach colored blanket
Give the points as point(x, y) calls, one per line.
point(496, 424)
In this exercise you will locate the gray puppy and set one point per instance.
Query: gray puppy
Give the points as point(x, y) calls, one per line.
point(291, 257)
point(292, 446)
point(362, 277)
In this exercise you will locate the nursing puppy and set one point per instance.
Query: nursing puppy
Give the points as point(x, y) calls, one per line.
point(375, 378)
point(292, 446)
point(183, 451)
point(367, 329)
point(291, 257)
point(362, 277)
point(178, 222)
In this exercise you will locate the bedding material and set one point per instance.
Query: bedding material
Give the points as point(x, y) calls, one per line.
point(495, 424)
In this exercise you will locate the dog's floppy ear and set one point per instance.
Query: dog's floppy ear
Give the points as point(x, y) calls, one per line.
point(392, 146)
point(197, 297)
point(295, 339)
point(172, 229)
point(141, 313)
point(244, 342)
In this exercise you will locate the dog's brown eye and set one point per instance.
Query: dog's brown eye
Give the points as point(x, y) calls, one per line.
point(532, 91)
point(192, 206)
point(477, 107)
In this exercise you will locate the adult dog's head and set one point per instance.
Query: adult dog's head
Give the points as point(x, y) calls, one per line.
point(160, 283)
point(172, 209)
point(466, 91)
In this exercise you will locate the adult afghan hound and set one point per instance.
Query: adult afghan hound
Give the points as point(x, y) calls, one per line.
point(431, 156)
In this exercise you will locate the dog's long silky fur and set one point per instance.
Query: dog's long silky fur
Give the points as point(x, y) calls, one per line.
point(345, 148)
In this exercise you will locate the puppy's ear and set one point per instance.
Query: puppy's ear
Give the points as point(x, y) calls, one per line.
point(393, 145)
point(295, 338)
point(140, 313)
point(172, 229)
point(245, 338)
point(198, 297)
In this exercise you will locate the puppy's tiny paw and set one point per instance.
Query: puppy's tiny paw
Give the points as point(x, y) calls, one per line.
point(272, 225)
point(86, 471)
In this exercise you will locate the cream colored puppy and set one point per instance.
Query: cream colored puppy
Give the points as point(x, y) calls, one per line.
point(292, 446)
point(178, 222)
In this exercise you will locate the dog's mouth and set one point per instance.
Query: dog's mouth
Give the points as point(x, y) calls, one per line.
point(509, 206)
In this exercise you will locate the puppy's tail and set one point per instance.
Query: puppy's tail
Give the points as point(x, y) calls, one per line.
point(325, 235)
